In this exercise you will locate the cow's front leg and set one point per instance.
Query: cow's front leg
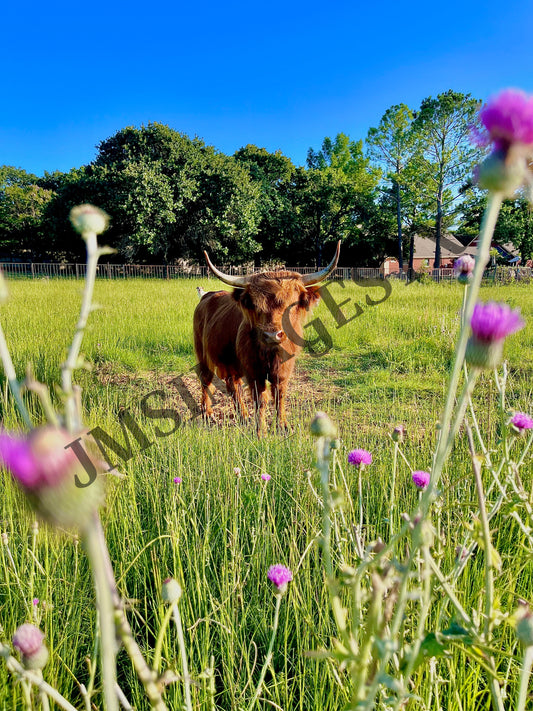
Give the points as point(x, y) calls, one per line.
point(259, 395)
point(234, 387)
point(279, 391)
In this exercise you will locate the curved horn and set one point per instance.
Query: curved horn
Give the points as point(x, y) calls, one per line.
point(239, 282)
point(317, 277)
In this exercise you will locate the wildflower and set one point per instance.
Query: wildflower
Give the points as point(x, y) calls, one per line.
point(521, 422)
point(322, 426)
point(524, 624)
point(490, 324)
point(359, 457)
point(237, 471)
point(508, 122)
point(398, 433)
point(88, 218)
point(508, 118)
point(45, 465)
point(177, 480)
point(421, 479)
point(171, 591)
point(35, 601)
point(265, 476)
point(464, 266)
point(28, 639)
point(279, 576)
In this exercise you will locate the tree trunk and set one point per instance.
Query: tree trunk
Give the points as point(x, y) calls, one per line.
point(410, 268)
point(318, 243)
point(438, 227)
point(399, 225)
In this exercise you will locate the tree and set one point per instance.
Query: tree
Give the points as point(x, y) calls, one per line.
point(273, 174)
point(337, 182)
point(393, 144)
point(22, 206)
point(168, 196)
point(444, 125)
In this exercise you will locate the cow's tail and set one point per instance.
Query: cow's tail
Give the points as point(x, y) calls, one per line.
point(200, 291)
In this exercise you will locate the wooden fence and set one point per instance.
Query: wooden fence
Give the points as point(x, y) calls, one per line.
point(46, 270)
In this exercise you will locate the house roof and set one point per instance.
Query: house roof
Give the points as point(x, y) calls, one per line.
point(450, 247)
point(507, 250)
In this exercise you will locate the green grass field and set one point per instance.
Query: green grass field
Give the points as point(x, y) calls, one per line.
point(217, 533)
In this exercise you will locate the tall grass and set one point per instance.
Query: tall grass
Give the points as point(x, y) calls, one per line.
point(218, 533)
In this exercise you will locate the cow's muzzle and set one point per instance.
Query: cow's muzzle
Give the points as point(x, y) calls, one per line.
point(272, 337)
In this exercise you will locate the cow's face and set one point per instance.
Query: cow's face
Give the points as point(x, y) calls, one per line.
point(268, 301)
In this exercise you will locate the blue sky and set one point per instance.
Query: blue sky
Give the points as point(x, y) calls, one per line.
point(281, 75)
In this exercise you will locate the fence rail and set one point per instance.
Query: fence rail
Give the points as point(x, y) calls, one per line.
point(46, 270)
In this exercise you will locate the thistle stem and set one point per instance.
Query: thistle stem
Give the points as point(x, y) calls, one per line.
point(104, 604)
point(482, 257)
point(159, 640)
point(72, 416)
point(268, 657)
point(11, 376)
point(183, 655)
point(524, 679)
point(392, 503)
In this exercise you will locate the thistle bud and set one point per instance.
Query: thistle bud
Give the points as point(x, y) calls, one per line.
point(502, 172)
point(171, 591)
point(89, 219)
point(398, 433)
point(322, 426)
point(524, 625)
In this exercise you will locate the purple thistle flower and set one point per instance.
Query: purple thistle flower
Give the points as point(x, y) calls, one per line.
point(16, 455)
point(40, 459)
point(464, 266)
point(421, 478)
point(492, 322)
point(45, 465)
point(279, 576)
point(522, 421)
point(177, 480)
point(35, 601)
point(28, 639)
point(359, 457)
point(507, 121)
point(266, 477)
point(508, 118)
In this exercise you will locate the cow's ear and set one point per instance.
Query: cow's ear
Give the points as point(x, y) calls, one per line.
point(244, 299)
point(310, 297)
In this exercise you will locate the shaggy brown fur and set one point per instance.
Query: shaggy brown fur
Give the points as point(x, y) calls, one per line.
point(253, 333)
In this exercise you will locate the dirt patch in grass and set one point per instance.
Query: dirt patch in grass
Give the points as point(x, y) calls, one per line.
point(306, 395)
point(183, 393)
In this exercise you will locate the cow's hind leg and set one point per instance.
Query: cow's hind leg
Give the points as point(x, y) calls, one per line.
point(206, 378)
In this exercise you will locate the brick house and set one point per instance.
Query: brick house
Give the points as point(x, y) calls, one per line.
point(450, 249)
